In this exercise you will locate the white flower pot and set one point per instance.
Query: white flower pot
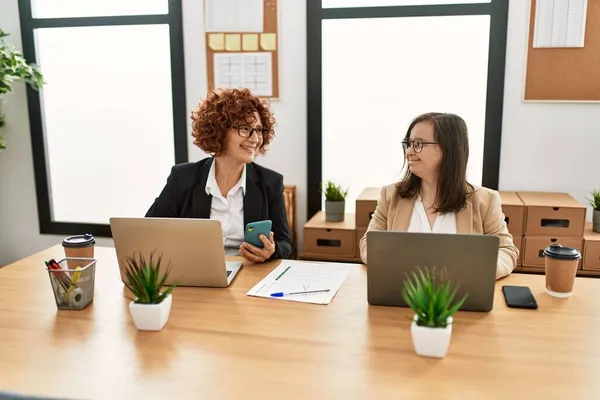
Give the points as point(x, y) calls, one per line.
point(431, 342)
point(151, 317)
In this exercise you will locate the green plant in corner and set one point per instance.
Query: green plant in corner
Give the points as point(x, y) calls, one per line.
point(14, 67)
point(145, 280)
point(431, 298)
point(595, 200)
point(333, 192)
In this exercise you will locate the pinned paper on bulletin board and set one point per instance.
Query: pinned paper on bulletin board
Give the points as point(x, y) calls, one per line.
point(242, 45)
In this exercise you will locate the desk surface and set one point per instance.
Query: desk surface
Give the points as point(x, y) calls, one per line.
point(220, 343)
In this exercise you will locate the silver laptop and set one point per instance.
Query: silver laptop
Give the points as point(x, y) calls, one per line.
point(193, 247)
point(470, 262)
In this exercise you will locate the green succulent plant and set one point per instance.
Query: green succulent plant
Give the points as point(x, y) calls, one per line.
point(145, 280)
point(430, 297)
point(333, 192)
point(595, 200)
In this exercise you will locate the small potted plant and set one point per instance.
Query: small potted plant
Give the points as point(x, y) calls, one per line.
point(151, 306)
point(431, 300)
point(13, 68)
point(595, 203)
point(335, 202)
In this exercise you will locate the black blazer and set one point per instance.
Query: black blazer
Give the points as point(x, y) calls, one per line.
point(184, 196)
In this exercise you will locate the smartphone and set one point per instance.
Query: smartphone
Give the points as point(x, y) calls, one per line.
point(519, 297)
point(255, 229)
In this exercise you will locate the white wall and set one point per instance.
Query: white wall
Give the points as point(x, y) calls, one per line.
point(545, 146)
point(538, 145)
point(19, 229)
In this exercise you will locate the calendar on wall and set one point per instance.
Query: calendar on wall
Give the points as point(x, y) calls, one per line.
point(241, 45)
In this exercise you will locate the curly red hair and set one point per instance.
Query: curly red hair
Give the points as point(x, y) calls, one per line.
point(224, 108)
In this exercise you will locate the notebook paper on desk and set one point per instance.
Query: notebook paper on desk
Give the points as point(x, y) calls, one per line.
point(323, 280)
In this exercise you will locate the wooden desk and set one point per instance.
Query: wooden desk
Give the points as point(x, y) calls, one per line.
point(222, 344)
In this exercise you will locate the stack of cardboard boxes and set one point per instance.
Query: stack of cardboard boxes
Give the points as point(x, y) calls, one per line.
point(538, 219)
point(339, 241)
point(550, 218)
point(591, 251)
point(534, 219)
point(330, 241)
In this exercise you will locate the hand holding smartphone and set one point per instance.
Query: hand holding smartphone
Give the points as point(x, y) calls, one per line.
point(255, 229)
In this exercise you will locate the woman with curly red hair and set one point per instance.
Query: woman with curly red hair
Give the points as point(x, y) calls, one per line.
point(233, 126)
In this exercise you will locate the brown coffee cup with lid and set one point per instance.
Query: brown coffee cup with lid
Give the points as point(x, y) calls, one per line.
point(561, 269)
point(79, 246)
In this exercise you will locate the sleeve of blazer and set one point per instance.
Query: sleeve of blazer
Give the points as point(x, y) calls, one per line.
point(166, 205)
point(278, 216)
point(494, 224)
point(378, 222)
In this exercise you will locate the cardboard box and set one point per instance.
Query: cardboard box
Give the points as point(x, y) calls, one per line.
point(514, 212)
point(366, 203)
point(535, 245)
point(329, 238)
point(591, 250)
point(553, 214)
point(360, 232)
point(518, 241)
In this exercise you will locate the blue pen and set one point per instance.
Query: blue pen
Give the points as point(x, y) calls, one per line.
point(281, 294)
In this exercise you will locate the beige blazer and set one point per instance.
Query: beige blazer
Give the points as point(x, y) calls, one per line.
point(482, 215)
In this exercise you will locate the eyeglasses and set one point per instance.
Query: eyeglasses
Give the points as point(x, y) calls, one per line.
point(416, 144)
point(247, 131)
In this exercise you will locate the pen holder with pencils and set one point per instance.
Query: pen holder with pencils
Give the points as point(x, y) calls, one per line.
point(73, 288)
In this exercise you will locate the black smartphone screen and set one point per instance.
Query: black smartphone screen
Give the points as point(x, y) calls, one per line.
point(519, 297)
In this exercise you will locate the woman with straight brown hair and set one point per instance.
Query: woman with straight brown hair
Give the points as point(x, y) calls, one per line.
point(434, 195)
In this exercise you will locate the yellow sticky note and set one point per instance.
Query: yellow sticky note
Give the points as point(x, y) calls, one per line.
point(216, 41)
point(268, 41)
point(250, 42)
point(233, 42)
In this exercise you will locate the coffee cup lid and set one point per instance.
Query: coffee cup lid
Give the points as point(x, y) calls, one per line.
point(79, 240)
point(563, 253)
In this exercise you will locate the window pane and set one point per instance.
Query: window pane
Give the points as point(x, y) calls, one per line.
point(378, 74)
point(108, 119)
point(382, 3)
point(96, 8)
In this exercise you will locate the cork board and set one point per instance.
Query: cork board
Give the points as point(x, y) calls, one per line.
point(565, 74)
point(255, 50)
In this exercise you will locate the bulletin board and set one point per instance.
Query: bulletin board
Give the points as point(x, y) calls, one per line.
point(565, 74)
point(243, 57)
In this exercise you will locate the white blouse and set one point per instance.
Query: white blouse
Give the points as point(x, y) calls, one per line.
point(229, 210)
point(444, 223)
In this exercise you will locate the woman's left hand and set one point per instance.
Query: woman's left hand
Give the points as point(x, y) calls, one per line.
point(258, 255)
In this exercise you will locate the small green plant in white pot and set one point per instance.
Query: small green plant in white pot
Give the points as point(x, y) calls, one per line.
point(432, 301)
point(151, 306)
point(335, 202)
point(595, 203)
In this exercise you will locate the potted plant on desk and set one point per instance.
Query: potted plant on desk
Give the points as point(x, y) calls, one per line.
point(151, 307)
point(335, 202)
point(431, 300)
point(595, 203)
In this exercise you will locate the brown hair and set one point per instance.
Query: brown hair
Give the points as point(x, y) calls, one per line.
point(224, 108)
point(450, 132)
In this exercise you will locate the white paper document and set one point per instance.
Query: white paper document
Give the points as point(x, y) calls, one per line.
point(560, 23)
point(249, 70)
point(233, 15)
point(303, 282)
